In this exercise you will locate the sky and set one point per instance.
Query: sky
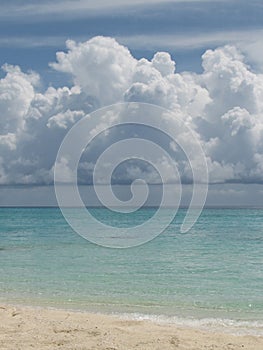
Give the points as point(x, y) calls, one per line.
point(62, 60)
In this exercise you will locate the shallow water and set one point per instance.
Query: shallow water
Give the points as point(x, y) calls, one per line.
point(213, 273)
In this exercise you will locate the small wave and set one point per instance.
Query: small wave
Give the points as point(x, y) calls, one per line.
point(236, 327)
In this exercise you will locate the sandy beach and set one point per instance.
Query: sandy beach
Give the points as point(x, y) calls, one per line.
point(25, 328)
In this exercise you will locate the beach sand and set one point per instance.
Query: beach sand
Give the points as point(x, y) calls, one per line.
point(36, 328)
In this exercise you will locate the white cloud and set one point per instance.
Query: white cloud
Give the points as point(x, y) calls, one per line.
point(249, 41)
point(101, 67)
point(63, 120)
point(163, 63)
point(8, 140)
point(16, 94)
point(64, 172)
point(223, 105)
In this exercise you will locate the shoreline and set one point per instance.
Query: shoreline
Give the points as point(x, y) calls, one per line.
point(30, 327)
point(208, 323)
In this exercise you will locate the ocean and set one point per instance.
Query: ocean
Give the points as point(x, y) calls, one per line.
point(209, 277)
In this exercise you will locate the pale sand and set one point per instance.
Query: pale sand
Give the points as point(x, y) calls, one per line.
point(28, 328)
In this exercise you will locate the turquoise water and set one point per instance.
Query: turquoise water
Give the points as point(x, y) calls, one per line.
point(213, 273)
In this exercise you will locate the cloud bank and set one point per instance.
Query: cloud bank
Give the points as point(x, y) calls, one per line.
point(223, 106)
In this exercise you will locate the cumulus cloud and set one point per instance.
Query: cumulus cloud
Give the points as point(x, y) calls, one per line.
point(223, 106)
point(16, 94)
point(101, 67)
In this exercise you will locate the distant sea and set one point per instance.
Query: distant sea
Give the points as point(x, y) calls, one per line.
point(210, 277)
